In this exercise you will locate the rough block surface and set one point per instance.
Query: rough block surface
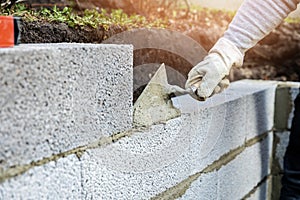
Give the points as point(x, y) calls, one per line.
point(151, 161)
point(253, 99)
point(283, 140)
point(244, 111)
point(55, 180)
point(237, 178)
point(294, 91)
point(261, 192)
point(57, 97)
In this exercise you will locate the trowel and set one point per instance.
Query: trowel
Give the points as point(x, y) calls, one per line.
point(154, 105)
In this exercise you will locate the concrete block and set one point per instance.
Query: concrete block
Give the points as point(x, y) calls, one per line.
point(140, 166)
point(204, 188)
point(260, 112)
point(255, 99)
point(150, 162)
point(262, 191)
point(225, 121)
point(57, 97)
point(294, 91)
point(286, 93)
point(218, 130)
point(55, 180)
point(239, 177)
point(283, 141)
point(276, 186)
point(236, 179)
point(101, 174)
point(260, 103)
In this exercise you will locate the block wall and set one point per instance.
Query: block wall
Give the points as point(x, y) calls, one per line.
point(82, 143)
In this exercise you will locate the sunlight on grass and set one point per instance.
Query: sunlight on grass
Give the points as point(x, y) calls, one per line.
point(92, 18)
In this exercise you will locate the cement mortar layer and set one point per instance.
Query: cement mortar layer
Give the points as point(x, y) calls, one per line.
point(56, 97)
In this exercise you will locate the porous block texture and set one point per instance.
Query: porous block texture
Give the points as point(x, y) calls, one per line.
point(294, 91)
point(214, 150)
point(282, 139)
point(262, 191)
point(140, 166)
point(242, 112)
point(238, 178)
point(56, 97)
point(166, 155)
point(54, 180)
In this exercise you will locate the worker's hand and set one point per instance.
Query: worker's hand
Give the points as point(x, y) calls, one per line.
point(209, 76)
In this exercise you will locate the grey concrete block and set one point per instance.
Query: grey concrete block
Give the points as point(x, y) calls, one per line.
point(138, 167)
point(259, 110)
point(204, 188)
point(57, 97)
point(240, 176)
point(286, 93)
point(254, 99)
point(283, 140)
point(55, 180)
point(294, 91)
point(236, 179)
point(226, 121)
point(218, 131)
point(152, 161)
point(262, 191)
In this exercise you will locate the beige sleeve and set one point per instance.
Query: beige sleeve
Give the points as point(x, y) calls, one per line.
point(255, 19)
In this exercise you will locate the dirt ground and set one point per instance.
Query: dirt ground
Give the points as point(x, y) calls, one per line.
point(277, 57)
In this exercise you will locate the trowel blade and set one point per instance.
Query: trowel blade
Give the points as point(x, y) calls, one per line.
point(160, 77)
point(154, 104)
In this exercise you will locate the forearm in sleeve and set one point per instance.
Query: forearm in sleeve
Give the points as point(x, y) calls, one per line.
point(255, 19)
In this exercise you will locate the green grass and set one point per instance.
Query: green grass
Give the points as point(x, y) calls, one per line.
point(92, 18)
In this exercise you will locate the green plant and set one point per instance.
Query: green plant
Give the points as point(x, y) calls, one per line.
point(89, 17)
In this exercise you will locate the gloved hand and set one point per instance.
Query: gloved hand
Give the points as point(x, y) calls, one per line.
point(209, 76)
point(253, 21)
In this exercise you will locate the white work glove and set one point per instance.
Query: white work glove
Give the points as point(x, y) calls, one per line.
point(253, 21)
point(209, 76)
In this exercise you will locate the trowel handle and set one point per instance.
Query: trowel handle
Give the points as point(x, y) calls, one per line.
point(178, 91)
point(192, 90)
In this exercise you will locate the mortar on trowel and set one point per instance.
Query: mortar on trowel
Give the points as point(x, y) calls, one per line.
point(154, 105)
